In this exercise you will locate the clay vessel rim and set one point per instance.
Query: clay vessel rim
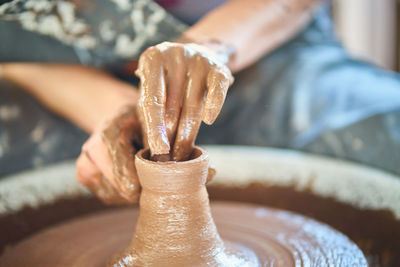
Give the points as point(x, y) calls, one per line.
point(200, 158)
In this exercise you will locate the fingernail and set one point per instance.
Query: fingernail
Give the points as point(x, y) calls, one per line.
point(160, 145)
point(209, 116)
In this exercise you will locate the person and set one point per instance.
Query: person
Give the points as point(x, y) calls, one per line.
point(295, 86)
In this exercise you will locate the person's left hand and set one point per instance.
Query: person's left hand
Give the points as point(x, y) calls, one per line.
point(107, 162)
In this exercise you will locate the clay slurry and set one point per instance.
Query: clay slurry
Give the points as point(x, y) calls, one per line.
point(277, 238)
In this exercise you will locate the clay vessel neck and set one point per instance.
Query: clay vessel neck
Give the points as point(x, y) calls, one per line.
point(175, 222)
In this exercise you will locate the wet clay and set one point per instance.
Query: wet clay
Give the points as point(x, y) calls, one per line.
point(175, 227)
point(121, 139)
point(122, 136)
point(180, 86)
point(276, 238)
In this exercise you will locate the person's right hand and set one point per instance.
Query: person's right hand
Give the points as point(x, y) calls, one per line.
point(181, 85)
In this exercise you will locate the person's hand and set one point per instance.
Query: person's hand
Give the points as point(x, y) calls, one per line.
point(107, 162)
point(181, 85)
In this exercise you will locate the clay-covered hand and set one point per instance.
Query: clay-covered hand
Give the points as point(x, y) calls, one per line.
point(107, 162)
point(180, 85)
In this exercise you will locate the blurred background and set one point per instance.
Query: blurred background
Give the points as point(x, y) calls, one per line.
point(369, 29)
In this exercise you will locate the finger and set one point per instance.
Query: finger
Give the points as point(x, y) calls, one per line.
point(211, 174)
point(96, 151)
point(89, 175)
point(119, 138)
point(145, 141)
point(108, 194)
point(86, 170)
point(218, 83)
point(153, 100)
point(175, 77)
point(190, 119)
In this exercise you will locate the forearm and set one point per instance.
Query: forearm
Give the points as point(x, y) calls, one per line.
point(83, 95)
point(252, 28)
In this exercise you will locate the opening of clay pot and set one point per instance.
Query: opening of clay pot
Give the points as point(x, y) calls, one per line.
point(171, 175)
point(196, 153)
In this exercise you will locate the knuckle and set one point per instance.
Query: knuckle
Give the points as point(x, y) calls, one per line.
point(152, 51)
point(82, 180)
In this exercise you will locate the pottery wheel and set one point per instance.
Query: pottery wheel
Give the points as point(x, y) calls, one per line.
point(278, 238)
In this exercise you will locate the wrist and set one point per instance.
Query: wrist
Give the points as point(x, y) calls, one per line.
point(6, 71)
point(224, 52)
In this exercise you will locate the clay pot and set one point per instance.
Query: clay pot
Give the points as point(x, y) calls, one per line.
point(175, 226)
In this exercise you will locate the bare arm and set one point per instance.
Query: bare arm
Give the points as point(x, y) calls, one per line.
point(99, 104)
point(83, 95)
point(252, 28)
